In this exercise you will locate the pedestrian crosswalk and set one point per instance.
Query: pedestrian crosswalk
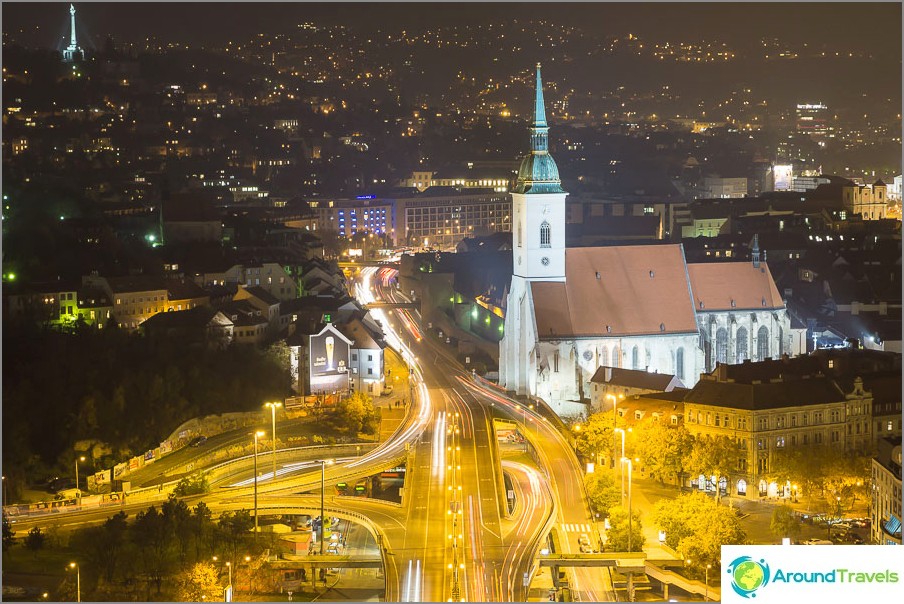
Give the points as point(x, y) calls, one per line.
point(575, 528)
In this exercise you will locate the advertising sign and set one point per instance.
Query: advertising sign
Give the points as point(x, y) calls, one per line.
point(811, 573)
point(782, 177)
point(329, 354)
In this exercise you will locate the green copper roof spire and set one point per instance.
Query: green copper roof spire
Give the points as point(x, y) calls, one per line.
point(538, 172)
point(539, 105)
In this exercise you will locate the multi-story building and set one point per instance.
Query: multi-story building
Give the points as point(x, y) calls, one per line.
point(868, 201)
point(270, 276)
point(885, 502)
point(366, 362)
point(495, 177)
point(439, 218)
point(136, 299)
point(845, 398)
point(442, 220)
point(813, 120)
point(764, 418)
point(715, 187)
point(348, 217)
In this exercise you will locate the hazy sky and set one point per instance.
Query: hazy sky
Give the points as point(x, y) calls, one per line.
point(870, 26)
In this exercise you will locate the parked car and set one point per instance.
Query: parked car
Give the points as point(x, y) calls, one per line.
point(841, 527)
point(197, 441)
point(818, 542)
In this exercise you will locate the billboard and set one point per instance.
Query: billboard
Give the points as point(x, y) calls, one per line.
point(781, 177)
point(328, 353)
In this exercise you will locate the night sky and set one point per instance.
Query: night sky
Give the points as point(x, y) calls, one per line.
point(875, 27)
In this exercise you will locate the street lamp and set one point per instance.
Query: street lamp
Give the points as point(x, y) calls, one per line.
point(621, 469)
point(78, 491)
point(228, 597)
point(323, 464)
point(627, 461)
point(706, 595)
point(273, 407)
point(257, 435)
point(78, 580)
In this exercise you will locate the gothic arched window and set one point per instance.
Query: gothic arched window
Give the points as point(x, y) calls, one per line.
point(604, 357)
point(742, 350)
point(762, 343)
point(545, 236)
point(635, 358)
point(679, 364)
point(519, 233)
point(722, 345)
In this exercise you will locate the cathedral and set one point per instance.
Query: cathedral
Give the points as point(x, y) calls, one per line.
point(570, 311)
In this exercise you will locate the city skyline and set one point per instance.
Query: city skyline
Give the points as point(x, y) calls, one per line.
point(434, 302)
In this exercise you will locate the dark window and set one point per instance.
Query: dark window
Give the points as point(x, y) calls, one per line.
point(742, 347)
point(722, 345)
point(545, 237)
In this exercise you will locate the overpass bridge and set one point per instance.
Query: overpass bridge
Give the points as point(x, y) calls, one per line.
point(391, 305)
point(370, 263)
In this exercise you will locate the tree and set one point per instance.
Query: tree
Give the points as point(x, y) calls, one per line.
point(664, 449)
point(34, 540)
point(201, 528)
point(234, 527)
point(194, 484)
point(714, 456)
point(199, 583)
point(153, 535)
point(784, 523)
point(618, 531)
point(9, 535)
point(603, 492)
point(697, 527)
point(103, 545)
point(596, 438)
point(825, 475)
point(177, 515)
point(356, 413)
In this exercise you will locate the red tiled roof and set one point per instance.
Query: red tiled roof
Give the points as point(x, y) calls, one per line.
point(717, 284)
point(641, 289)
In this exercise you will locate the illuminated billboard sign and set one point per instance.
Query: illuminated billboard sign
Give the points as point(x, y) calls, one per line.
point(329, 353)
point(781, 177)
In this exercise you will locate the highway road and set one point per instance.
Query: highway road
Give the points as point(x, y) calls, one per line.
point(497, 564)
point(452, 537)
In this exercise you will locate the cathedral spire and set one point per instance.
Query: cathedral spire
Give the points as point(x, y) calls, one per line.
point(538, 172)
point(539, 131)
point(539, 105)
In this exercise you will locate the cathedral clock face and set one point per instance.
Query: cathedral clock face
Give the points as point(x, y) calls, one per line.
point(544, 261)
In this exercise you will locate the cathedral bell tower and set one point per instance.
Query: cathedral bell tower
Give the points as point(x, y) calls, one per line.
point(538, 206)
point(538, 252)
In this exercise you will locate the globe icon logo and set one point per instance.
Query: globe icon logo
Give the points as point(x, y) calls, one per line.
point(748, 575)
